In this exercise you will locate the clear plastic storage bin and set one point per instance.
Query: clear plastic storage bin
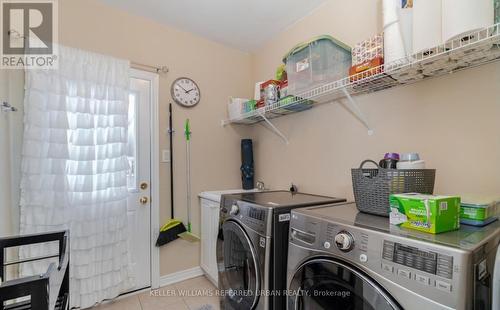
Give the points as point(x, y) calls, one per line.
point(316, 62)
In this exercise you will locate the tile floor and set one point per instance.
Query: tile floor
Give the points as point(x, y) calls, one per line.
point(194, 294)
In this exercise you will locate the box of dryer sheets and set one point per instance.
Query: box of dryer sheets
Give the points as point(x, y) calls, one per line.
point(427, 213)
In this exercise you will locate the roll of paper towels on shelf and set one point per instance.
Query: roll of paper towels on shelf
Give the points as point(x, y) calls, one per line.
point(405, 72)
point(427, 24)
point(435, 62)
point(497, 11)
point(406, 18)
point(463, 17)
point(394, 45)
point(412, 79)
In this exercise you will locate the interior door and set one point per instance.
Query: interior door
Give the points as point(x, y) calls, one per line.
point(329, 284)
point(139, 177)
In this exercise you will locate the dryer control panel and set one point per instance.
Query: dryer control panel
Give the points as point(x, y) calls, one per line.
point(254, 217)
point(413, 257)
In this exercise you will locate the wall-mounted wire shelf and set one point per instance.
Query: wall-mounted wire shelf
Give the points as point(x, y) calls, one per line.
point(477, 48)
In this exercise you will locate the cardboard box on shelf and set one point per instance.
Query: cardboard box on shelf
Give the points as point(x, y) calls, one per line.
point(368, 68)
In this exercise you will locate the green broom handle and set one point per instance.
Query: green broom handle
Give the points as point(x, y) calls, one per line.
point(187, 132)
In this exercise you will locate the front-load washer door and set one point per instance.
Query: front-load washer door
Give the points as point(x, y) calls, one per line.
point(239, 276)
point(331, 284)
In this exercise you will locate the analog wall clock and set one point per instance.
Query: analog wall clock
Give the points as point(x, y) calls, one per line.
point(185, 92)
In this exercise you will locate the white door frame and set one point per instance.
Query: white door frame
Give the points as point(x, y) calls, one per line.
point(155, 172)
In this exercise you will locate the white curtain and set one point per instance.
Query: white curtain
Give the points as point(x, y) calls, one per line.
point(74, 169)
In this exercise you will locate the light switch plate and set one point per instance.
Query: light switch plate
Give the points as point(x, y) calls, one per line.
point(165, 156)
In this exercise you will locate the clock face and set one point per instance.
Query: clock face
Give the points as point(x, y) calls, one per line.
point(185, 92)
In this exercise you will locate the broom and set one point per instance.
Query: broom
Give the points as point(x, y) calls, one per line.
point(171, 230)
point(188, 235)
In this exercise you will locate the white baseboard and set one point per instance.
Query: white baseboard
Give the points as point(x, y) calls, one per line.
point(181, 276)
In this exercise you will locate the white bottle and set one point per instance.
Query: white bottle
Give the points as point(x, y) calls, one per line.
point(410, 161)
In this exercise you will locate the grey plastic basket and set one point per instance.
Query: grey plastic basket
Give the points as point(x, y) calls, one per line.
point(372, 187)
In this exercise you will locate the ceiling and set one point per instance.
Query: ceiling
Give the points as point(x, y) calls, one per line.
point(242, 24)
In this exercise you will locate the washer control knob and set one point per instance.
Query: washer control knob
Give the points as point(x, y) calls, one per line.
point(344, 241)
point(326, 245)
point(234, 210)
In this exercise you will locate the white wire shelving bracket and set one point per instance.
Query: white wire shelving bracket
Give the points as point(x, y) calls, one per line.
point(275, 129)
point(352, 106)
point(474, 49)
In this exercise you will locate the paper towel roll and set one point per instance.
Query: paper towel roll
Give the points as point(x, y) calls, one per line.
point(427, 24)
point(475, 51)
point(394, 46)
point(406, 74)
point(411, 79)
point(437, 61)
point(482, 56)
point(497, 11)
point(407, 29)
point(494, 53)
point(461, 17)
point(440, 70)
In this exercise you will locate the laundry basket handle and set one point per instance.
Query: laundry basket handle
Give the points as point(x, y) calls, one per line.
point(368, 161)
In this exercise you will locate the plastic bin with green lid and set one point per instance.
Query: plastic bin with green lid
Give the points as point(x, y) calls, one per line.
point(479, 211)
point(316, 62)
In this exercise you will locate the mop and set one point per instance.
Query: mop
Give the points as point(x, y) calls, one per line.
point(188, 235)
point(171, 230)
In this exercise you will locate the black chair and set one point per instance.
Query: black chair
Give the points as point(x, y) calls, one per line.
point(48, 291)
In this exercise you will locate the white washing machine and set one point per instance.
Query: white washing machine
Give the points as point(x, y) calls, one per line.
point(339, 258)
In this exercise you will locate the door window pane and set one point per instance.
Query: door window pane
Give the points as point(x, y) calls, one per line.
point(132, 141)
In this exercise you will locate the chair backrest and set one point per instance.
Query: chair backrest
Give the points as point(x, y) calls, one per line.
point(37, 287)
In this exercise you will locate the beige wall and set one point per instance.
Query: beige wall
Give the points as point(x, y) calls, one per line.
point(452, 121)
point(218, 70)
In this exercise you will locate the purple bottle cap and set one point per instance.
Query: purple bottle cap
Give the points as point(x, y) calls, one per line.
point(394, 156)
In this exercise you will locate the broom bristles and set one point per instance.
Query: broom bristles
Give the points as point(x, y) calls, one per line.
point(189, 237)
point(170, 234)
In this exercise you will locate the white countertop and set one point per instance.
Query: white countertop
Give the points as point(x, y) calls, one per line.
point(216, 195)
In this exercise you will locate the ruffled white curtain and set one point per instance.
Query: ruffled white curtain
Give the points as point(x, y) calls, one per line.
point(74, 169)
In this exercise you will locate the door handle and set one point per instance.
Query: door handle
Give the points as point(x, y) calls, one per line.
point(143, 200)
point(144, 185)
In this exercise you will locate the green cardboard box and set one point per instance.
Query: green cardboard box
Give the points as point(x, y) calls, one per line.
point(427, 213)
